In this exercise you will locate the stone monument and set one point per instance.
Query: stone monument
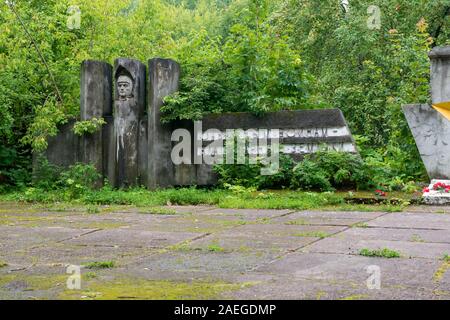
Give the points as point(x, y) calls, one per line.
point(135, 148)
point(129, 106)
point(430, 126)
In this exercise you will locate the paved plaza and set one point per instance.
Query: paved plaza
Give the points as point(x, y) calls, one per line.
point(211, 253)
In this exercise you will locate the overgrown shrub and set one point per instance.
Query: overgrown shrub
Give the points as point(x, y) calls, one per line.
point(309, 176)
point(326, 170)
point(46, 175)
point(78, 179)
point(249, 175)
point(74, 181)
point(14, 167)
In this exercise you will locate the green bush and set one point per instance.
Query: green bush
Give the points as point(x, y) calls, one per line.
point(14, 167)
point(78, 179)
point(309, 176)
point(327, 170)
point(46, 176)
point(249, 175)
point(245, 175)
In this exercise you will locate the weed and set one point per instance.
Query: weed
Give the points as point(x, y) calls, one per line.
point(158, 210)
point(381, 253)
point(90, 275)
point(92, 210)
point(100, 265)
point(360, 225)
point(313, 234)
point(215, 248)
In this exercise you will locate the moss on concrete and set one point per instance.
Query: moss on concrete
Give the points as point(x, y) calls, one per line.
point(130, 289)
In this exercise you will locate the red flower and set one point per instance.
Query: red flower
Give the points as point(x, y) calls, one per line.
point(442, 187)
point(426, 190)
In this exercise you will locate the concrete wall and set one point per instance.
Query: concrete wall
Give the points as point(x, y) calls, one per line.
point(134, 147)
point(440, 74)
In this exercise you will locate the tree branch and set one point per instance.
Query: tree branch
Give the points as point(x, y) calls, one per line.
point(11, 5)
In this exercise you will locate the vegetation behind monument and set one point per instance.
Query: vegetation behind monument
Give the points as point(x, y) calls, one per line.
point(241, 55)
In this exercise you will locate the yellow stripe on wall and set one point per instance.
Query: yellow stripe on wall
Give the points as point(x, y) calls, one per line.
point(443, 108)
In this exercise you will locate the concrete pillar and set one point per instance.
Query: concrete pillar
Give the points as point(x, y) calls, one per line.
point(129, 106)
point(164, 76)
point(96, 102)
point(440, 74)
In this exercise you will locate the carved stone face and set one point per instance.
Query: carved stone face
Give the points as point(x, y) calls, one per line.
point(124, 87)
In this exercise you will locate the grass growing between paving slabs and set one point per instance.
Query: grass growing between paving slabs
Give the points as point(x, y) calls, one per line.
point(223, 198)
point(313, 234)
point(439, 274)
point(158, 210)
point(100, 265)
point(379, 253)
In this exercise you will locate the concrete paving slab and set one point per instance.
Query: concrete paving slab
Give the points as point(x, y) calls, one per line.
point(413, 221)
point(338, 214)
point(271, 237)
point(393, 234)
point(19, 238)
point(203, 262)
point(332, 276)
point(127, 237)
point(406, 249)
point(248, 214)
point(327, 218)
point(283, 254)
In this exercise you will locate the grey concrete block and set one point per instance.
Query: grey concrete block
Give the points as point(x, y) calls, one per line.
point(440, 74)
point(431, 132)
point(96, 102)
point(164, 76)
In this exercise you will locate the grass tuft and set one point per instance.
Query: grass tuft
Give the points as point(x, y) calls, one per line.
point(313, 234)
point(158, 210)
point(380, 253)
point(100, 265)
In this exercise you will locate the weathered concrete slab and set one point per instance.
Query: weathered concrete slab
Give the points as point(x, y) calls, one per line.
point(352, 246)
point(413, 221)
point(337, 214)
point(430, 209)
point(248, 214)
point(127, 237)
point(267, 237)
point(326, 218)
point(191, 209)
point(204, 262)
point(185, 222)
point(18, 238)
point(394, 234)
point(331, 276)
point(263, 250)
point(62, 254)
